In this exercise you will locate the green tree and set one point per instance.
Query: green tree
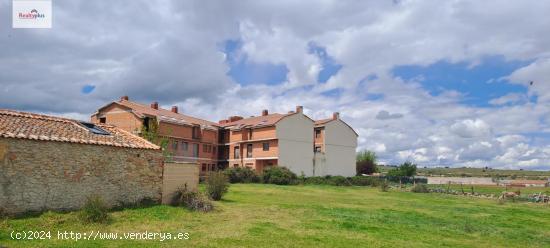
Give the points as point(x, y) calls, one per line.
point(366, 155)
point(366, 162)
point(151, 133)
point(407, 169)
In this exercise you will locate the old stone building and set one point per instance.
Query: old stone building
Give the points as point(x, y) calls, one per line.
point(55, 163)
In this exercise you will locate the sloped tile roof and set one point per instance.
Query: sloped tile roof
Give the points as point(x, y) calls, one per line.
point(22, 125)
point(162, 114)
point(257, 121)
point(322, 122)
point(319, 123)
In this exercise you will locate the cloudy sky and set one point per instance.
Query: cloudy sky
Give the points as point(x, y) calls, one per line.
point(435, 82)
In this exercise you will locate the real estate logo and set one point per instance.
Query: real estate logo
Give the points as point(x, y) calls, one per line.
point(32, 14)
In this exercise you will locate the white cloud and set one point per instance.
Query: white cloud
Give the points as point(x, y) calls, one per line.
point(471, 128)
point(175, 58)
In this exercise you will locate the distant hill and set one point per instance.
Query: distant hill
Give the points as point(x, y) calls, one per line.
point(477, 172)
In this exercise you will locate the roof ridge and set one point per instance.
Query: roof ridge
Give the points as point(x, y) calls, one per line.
point(36, 116)
point(161, 110)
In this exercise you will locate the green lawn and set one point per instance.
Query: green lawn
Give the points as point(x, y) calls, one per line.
point(257, 215)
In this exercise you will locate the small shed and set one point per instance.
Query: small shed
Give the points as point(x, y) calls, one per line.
point(53, 163)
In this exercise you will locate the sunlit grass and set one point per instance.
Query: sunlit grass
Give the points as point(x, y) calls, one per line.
point(255, 215)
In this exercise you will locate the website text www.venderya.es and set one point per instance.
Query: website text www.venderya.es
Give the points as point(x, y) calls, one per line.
point(97, 235)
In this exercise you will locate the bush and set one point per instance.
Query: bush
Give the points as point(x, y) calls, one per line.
point(242, 175)
point(217, 185)
point(279, 175)
point(191, 200)
point(339, 181)
point(94, 210)
point(364, 181)
point(420, 188)
point(384, 186)
point(314, 180)
point(366, 162)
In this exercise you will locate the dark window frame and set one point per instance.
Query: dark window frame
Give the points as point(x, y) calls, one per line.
point(249, 148)
point(237, 152)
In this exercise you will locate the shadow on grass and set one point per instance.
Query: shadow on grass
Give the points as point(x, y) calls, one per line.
point(121, 206)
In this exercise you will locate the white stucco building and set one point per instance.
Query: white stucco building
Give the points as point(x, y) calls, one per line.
point(335, 144)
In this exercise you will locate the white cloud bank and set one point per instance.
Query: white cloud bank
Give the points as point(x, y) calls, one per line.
point(170, 51)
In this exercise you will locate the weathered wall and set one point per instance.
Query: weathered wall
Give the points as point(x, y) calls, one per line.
point(177, 175)
point(40, 175)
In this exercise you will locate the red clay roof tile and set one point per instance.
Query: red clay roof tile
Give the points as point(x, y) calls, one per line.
point(22, 125)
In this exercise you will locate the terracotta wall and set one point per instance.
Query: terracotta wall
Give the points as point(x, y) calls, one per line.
point(120, 117)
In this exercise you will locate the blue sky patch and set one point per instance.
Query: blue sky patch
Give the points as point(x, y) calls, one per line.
point(87, 89)
point(246, 72)
point(480, 83)
point(330, 67)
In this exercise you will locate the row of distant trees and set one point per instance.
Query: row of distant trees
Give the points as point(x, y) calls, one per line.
point(367, 164)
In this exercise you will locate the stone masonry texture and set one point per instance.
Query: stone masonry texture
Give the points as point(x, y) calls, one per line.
point(48, 175)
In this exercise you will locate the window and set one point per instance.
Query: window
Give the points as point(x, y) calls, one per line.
point(94, 129)
point(235, 165)
point(318, 133)
point(203, 167)
point(205, 148)
point(237, 153)
point(146, 123)
point(195, 150)
point(266, 146)
point(196, 132)
point(249, 150)
point(317, 149)
point(214, 150)
point(184, 146)
point(175, 145)
point(103, 120)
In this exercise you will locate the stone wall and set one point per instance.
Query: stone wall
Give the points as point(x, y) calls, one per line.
point(43, 175)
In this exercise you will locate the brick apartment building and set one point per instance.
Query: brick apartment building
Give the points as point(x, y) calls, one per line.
point(292, 140)
point(189, 139)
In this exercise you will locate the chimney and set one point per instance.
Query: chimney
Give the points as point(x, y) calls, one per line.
point(299, 109)
point(175, 109)
point(124, 98)
point(335, 116)
point(155, 105)
point(264, 112)
point(235, 118)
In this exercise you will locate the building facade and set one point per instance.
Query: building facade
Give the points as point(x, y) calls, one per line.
point(187, 139)
point(292, 140)
point(335, 147)
point(270, 139)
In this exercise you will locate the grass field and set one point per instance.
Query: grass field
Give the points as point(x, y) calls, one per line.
point(476, 172)
point(254, 215)
point(492, 189)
